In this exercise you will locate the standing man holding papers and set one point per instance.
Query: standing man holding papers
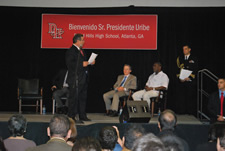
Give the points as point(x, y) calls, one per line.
point(186, 86)
point(77, 79)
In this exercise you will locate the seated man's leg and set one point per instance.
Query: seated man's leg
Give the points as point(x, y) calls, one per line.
point(107, 99)
point(138, 95)
point(148, 95)
point(57, 96)
point(116, 99)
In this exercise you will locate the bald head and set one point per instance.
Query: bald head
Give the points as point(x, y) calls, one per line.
point(167, 120)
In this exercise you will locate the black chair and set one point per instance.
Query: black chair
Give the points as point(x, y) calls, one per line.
point(28, 89)
point(161, 101)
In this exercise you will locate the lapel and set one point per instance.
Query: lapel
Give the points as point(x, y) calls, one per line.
point(128, 79)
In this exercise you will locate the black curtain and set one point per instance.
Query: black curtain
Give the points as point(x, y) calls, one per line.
point(22, 57)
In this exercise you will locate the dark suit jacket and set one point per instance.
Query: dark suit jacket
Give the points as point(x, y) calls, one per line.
point(214, 106)
point(59, 78)
point(74, 63)
point(52, 145)
point(190, 64)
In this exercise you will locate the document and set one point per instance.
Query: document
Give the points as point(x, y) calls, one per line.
point(92, 58)
point(184, 74)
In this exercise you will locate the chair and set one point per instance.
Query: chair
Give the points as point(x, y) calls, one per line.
point(54, 105)
point(124, 99)
point(28, 89)
point(160, 99)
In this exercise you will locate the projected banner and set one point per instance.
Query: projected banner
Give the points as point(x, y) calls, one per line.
point(100, 31)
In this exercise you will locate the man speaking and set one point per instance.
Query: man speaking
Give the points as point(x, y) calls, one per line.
point(77, 79)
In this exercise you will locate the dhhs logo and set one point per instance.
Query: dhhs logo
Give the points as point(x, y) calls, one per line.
point(55, 32)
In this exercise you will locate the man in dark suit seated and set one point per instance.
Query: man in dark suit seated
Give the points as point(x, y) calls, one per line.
point(122, 86)
point(216, 105)
point(59, 131)
point(60, 88)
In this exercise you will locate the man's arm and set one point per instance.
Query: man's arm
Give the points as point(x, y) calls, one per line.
point(132, 85)
point(116, 85)
point(212, 106)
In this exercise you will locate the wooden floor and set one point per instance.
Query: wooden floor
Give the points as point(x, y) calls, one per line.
point(96, 118)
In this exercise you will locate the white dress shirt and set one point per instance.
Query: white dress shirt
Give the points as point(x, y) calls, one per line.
point(158, 80)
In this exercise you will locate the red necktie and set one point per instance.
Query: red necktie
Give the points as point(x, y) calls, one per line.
point(81, 51)
point(221, 105)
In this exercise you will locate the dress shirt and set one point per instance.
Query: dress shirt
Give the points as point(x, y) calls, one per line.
point(64, 83)
point(158, 80)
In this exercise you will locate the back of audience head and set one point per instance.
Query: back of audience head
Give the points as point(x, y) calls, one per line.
point(86, 144)
point(132, 133)
point(17, 125)
point(148, 142)
point(73, 130)
point(108, 138)
point(167, 120)
point(59, 126)
point(2, 146)
point(221, 139)
point(172, 142)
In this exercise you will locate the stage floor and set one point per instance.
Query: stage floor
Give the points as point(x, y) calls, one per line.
point(96, 118)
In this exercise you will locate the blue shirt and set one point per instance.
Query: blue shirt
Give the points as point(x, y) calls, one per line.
point(118, 148)
point(221, 92)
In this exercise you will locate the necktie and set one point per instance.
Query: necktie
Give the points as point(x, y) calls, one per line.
point(81, 51)
point(221, 105)
point(124, 79)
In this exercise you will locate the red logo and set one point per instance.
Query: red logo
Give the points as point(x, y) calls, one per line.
point(55, 32)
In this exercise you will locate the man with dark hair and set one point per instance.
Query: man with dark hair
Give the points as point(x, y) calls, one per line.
point(131, 134)
point(58, 131)
point(122, 86)
point(148, 142)
point(17, 125)
point(77, 79)
point(156, 81)
point(186, 88)
point(108, 138)
point(167, 122)
point(87, 144)
point(60, 88)
point(216, 104)
point(172, 143)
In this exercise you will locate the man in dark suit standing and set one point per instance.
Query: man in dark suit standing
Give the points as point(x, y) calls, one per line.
point(216, 105)
point(186, 89)
point(77, 79)
point(60, 88)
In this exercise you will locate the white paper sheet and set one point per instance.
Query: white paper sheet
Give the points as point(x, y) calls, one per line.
point(92, 58)
point(184, 74)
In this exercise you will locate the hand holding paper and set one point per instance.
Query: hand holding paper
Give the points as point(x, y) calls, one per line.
point(184, 74)
point(92, 58)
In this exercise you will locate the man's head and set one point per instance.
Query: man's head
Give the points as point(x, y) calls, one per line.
point(17, 125)
point(148, 142)
point(221, 141)
point(59, 127)
point(131, 134)
point(127, 69)
point(221, 84)
point(108, 137)
point(167, 120)
point(186, 50)
point(86, 144)
point(78, 40)
point(157, 67)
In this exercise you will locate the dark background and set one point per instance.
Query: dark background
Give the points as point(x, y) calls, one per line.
point(22, 57)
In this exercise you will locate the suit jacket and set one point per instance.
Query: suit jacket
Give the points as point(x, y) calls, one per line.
point(59, 78)
point(52, 145)
point(214, 106)
point(74, 63)
point(190, 64)
point(131, 82)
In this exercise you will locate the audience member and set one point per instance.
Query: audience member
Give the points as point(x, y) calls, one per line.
point(221, 140)
point(59, 132)
point(87, 144)
point(167, 122)
point(2, 146)
point(108, 138)
point(131, 134)
point(148, 142)
point(73, 135)
point(17, 125)
point(172, 142)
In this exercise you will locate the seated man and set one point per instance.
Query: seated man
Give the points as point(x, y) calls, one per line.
point(121, 88)
point(216, 105)
point(59, 131)
point(157, 81)
point(59, 83)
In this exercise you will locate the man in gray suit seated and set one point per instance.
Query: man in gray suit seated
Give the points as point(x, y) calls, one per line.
point(59, 131)
point(121, 88)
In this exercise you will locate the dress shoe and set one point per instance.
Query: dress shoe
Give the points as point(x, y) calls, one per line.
point(108, 113)
point(60, 110)
point(77, 121)
point(114, 114)
point(85, 119)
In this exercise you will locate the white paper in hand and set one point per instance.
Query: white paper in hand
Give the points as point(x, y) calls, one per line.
point(184, 74)
point(92, 58)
